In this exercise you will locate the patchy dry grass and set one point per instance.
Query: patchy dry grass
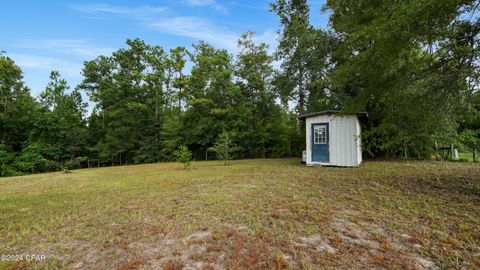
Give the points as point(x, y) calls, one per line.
point(254, 214)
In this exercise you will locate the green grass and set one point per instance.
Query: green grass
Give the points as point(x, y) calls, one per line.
point(466, 156)
point(254, 214)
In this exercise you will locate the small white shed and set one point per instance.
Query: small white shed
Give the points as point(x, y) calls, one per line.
point(333, 138)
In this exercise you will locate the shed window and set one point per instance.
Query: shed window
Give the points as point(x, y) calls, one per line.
point(320, 135)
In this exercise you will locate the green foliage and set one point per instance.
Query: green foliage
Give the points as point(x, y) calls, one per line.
point(413, 66)
point(40, 135)
point(225, 146)
point(304, 52)
point(266, 127)
point(62, 119)
point(183, 155)
point(469, 134)
point(470, 138)
point(6, 163)
point(172, 135)
point(212, 98)
point(75, 163)
point(37, 157)
point(134, 89)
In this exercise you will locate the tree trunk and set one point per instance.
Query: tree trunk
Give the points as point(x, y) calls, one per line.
point(474, 155)
point(226, 151)
point(289, 148)
point(156, 118)
point(5, 116)
point(180, 93)
point(263, 150)
point(451, 151)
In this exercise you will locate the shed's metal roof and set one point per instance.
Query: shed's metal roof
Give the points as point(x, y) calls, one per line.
point(307, 115)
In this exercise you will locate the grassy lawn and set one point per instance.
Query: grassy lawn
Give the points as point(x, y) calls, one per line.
point(466, 155)
point(254, 214)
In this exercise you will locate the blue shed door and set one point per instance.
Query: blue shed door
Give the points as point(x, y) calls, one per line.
point(320, 140)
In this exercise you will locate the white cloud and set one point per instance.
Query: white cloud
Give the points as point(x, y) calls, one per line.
point(141, 11)
point(197, 28)
point(261, 6)
point(187, 26)
point(203, 29)
point(98, 8)
point(30, 61)
point(81, 47)
point(208, 3)
point(220, 8)
point(268, 37)
point(200, 2)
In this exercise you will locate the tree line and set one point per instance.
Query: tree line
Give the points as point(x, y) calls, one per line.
point(412, 65)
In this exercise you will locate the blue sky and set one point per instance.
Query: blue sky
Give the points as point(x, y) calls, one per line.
point(41, 36)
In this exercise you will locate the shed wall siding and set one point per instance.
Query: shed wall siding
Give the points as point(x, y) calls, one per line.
point(344, 144)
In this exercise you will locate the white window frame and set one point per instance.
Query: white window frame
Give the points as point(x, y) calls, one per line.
point(320, 130)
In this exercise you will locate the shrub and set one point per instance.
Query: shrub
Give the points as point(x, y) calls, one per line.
point(48, 166)
point(75, 163)
point(183, 155)
point(37, 158)
point(224, 147)
point(6, 163)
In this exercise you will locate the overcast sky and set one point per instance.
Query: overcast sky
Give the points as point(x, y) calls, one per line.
point(41, 36)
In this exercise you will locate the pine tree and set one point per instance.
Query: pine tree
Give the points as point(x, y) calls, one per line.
point(183, 155)
point(225, 147)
